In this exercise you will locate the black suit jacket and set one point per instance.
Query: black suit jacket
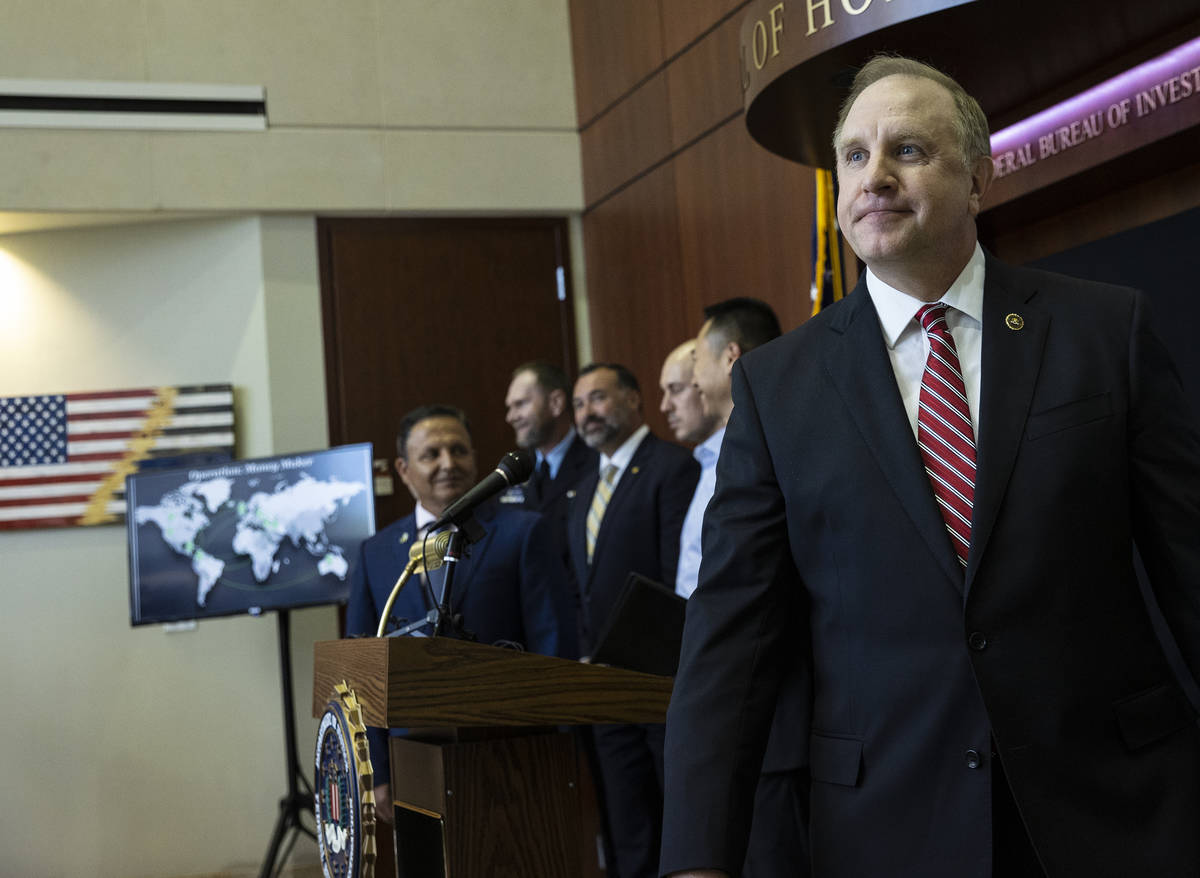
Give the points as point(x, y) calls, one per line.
point(552, 502)
point(578, 463)
point(639, 532)
point(823, 537)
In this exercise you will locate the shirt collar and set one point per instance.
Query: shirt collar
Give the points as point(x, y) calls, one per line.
point(896, 310)
point(708, 450)
point(624, 454)
point(557, 453)
point(423, 517)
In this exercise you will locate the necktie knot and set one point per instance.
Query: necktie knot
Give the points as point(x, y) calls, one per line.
point(932, 317)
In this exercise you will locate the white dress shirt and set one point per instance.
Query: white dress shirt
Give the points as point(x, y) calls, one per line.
point(689, 538)
point(908, 345)
point(624, 454)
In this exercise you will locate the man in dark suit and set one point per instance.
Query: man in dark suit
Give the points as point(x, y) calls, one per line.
point(502, 586)
point(625, 517)
point(538, 408)
point(778, 831)
point(988, 693)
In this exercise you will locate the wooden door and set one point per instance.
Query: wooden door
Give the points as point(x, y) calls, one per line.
point(423, 311)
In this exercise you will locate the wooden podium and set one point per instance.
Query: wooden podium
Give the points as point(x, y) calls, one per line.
point(479, 794)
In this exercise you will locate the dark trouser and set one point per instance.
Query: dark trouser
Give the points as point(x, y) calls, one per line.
point(779, 827)
point(631, 766)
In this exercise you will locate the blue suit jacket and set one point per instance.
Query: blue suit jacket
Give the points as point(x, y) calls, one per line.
point(823, 545)
point(639, 532)
point(502, 588)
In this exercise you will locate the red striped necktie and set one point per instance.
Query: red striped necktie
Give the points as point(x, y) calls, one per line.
point(944, 431)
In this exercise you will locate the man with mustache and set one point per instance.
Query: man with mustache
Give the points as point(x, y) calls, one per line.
point(502, 587)
point(625, 518)
point(930, 495)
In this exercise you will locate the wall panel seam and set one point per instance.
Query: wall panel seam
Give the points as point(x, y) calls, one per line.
point(616, 190)
point(660, 68)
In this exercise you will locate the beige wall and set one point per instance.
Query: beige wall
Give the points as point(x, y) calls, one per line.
point(137, 752)
point(150, 753)
point(377, 105)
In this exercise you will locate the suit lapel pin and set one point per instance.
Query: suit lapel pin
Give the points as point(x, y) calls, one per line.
point(403, 538)
point(571, 494)
point(1014, 322)
point(634, 469)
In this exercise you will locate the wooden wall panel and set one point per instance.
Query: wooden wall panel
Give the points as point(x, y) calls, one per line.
point(703, 84)
point(635, 285)
point(625, 141)
point(1113, 212)
point(428, 310)
point(745, 224)
point(683, 208)
point(683, 21)
point(616, 44)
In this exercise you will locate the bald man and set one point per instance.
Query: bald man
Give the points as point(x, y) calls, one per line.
point(688, 420)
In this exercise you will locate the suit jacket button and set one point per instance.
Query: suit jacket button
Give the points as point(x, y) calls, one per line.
point(974, 760)
point(977, 641)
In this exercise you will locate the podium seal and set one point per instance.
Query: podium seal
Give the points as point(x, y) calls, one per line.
point(345, 791)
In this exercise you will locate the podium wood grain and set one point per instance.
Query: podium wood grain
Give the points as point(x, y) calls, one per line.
point(410, 682)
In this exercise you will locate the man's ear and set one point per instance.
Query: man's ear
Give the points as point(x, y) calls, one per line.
point(981, 180)
point(732, 351)
point(557, 400)
point(402, 471)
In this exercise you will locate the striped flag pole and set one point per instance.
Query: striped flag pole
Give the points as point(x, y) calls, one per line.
point(64, 457)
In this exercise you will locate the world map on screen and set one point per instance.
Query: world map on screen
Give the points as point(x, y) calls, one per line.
point(242, 532)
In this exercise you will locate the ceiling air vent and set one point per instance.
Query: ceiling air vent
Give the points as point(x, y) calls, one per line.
point(50, 103)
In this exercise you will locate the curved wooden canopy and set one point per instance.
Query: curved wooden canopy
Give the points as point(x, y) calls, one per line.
point(1016, 57)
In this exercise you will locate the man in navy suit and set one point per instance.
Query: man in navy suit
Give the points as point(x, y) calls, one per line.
point(929, 495)
point(502, 586)
point(625, 518)
point(538, 408)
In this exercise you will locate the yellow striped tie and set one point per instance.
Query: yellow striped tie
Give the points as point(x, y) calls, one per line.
point(604, 489)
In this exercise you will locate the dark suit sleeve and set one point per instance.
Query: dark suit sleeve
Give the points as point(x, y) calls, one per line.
point(539, 566)
point(738, 622)
point(362, 616)
point(1164, 453)
point(675, 497)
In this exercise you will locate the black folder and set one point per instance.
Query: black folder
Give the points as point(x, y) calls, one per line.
point(645, 629)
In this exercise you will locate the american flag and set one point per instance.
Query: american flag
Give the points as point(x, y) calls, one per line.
point(64, 457)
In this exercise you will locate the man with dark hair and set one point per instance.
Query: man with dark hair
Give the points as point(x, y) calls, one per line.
point(502, 587)
point(538, 408)
point(777, 835)
point(929, 497)
point(731, 328)
point(625, 518)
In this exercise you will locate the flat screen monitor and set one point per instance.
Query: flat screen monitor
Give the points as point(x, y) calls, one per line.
point(247, 536)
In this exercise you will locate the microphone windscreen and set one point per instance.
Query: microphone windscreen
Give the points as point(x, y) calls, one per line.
point(517, 466)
